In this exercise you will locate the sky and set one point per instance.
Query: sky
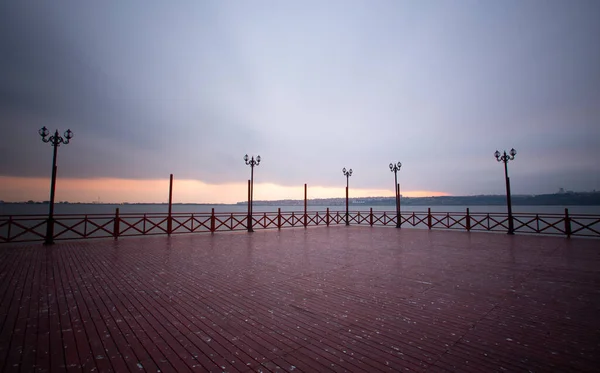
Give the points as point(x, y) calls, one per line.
point(152, 88)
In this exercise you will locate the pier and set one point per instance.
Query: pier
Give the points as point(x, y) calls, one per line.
point(357, 298)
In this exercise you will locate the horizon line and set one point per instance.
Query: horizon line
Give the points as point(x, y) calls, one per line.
point(290, 200)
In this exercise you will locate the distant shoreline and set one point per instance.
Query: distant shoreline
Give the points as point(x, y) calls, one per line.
point(563, 199)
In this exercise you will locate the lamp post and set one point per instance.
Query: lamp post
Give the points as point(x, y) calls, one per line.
point(54, 140)
point(395, 168)
point(347, 174)
point(505, 158)
point(251, 162)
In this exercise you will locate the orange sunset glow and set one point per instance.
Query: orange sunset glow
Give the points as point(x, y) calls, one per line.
point(15, 189)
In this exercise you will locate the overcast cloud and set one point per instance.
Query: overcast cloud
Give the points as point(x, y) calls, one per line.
point(188, 87)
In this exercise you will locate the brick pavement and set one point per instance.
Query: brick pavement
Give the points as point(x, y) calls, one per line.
point(355, 299)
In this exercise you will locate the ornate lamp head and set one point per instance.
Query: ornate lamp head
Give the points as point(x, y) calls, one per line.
point(43, 131)
point(68, 136)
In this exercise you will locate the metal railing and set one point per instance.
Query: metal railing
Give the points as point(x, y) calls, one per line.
point(23, 228)
point(584, 225)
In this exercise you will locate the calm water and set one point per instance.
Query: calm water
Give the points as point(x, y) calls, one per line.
point(23, 209)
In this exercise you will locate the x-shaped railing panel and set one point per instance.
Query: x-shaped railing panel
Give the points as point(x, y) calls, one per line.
point(521, 224)
point(353, 217)
point(99, 230)
point(583, 226)
point(551, 225)
point(416, 220)
point(19, 224)
point(448, 221)
point(460, 221)
point(265, 221)
point(314, 219)
point(384, 218)
point(291, 220)
point(362, 218)
point(155, 222)
point(177, 223)
point(236, 222)
point(479, 220)
point(199, 221)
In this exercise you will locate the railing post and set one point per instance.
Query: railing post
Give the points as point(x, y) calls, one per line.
point(305, 204)
point(292, 219)
point(264, 220)
point(212, 220)
point(567, 223)
point(192, 224)
point(429, 217)
point(279, 218)
point(399, 214)
point(249, 222)
point(9, 224)
point(371, 217)
point(347, 221)
point(116, 224)
point(468, 220)
point(170, 218)
point(358, 217)
point(327, 217)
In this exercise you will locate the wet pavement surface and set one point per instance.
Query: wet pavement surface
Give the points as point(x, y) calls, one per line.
point(302, 300)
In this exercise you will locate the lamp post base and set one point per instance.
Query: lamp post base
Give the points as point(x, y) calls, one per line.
point(49, 239)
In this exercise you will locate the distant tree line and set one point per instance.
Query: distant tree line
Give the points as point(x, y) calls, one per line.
point(566, 199)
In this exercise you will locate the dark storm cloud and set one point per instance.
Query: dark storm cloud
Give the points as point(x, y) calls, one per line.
point(152, 88)
point(54, 73)
point(46, 79)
